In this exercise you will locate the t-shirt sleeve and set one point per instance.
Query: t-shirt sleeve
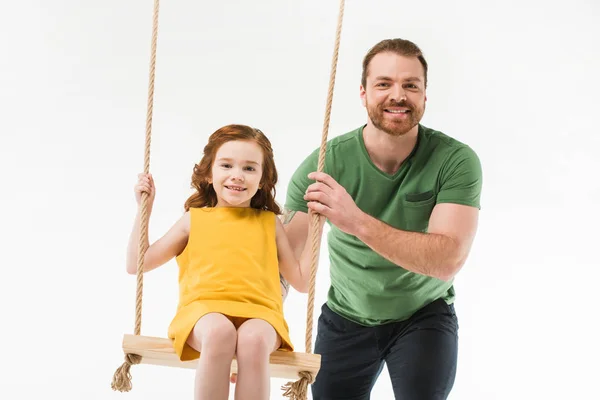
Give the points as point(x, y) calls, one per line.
point(461, 179)
point(299, 182)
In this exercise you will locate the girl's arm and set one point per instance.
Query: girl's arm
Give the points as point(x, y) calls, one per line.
point(164, 249)
point(168, 246)
point(295, 272)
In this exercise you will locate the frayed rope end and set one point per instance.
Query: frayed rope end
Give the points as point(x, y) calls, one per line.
point(298, 390)
point(122, 378)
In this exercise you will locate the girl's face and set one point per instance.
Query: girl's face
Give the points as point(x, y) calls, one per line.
point(237, 172)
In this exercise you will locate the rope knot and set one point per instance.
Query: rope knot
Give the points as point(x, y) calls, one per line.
point(298, 390)
point(310, 379)
point(132, 359)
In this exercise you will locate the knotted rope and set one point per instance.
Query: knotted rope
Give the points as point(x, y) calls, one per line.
point(122, 377)
point(298, 390)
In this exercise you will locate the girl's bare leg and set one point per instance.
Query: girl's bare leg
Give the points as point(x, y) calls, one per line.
point(214, 336)
point(256, 340)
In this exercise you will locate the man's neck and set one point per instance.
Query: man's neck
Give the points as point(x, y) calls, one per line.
point(386, 151)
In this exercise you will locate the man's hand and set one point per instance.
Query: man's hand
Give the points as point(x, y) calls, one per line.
point(330, 199)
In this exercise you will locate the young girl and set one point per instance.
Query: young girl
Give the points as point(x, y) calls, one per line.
point(231, 249)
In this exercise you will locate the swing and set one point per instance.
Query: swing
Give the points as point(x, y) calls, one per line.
point(138, 349)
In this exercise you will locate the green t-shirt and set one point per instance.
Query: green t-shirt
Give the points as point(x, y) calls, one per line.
point(365, 287)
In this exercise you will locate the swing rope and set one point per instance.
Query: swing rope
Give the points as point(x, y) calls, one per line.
point(122, 377)
point(297, 390)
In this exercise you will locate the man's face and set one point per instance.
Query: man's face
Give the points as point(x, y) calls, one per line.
point(394, 95)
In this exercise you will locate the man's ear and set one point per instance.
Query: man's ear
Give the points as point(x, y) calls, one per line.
point(363, 96)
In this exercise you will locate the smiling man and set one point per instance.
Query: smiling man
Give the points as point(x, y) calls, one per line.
point(402, 201)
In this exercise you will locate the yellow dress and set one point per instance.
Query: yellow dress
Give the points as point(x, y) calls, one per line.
point(228, 266)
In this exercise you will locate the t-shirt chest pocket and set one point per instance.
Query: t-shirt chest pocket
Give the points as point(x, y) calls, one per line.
point(416, 210)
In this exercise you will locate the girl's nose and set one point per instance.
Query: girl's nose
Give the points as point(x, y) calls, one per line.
point(237, 176)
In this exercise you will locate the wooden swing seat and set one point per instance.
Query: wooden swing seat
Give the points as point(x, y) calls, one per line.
point(159, 351)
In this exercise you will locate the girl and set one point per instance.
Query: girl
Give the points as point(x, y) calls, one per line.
point(231, 249)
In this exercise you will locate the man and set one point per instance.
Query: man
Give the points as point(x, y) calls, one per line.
point(402, 201)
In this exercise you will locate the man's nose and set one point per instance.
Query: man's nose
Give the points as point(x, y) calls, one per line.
point(398, 94)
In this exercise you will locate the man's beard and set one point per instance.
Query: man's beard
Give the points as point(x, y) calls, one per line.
point(397, 127)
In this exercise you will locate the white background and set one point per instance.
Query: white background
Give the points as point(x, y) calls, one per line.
point(516, 80)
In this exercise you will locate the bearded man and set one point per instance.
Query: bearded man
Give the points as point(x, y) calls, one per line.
point(402, 201)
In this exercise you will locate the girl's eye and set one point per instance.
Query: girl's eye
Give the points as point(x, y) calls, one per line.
point(250, 169)
point(225, 165)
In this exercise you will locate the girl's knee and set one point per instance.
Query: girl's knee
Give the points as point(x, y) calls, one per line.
point(253, 340)
point(256, 341)
point(216, 335)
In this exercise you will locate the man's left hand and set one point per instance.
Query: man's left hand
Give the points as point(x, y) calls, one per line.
point(330, 199)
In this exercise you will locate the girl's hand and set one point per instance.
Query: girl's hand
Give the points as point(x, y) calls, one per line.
point(145, 183)
point(311, 215)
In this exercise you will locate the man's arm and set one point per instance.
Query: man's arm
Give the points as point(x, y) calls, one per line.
point(440, 253)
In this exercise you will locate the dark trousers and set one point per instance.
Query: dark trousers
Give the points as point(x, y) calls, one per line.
point(420, 355)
